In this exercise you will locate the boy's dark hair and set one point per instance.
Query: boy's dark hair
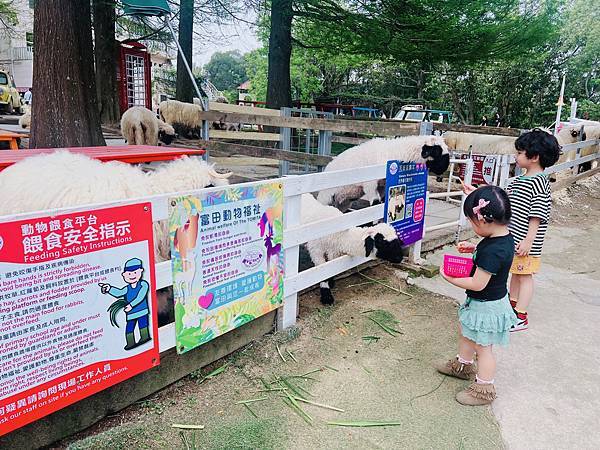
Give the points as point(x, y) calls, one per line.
point(539, 143)
point(497, 210)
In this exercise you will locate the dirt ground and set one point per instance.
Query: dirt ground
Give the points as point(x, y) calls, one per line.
point(371, 375)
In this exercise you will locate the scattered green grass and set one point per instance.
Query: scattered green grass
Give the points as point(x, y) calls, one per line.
point(249, 433)
point(123, 437)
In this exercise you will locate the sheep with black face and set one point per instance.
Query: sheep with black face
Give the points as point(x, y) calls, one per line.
point(379, 241)
point(431, 150)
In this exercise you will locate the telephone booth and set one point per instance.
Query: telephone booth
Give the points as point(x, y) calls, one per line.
point(133, 76)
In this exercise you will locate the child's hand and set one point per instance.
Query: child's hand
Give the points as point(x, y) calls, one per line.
point(446, 277)
point(524, 247)
point(467, 188)
point(466, 247)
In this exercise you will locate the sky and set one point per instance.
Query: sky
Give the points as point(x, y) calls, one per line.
point(239, 37)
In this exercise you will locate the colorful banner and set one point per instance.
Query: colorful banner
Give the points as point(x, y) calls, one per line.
point(406, 192)
point(227, 259)
point(77, 308)
point(483, 168)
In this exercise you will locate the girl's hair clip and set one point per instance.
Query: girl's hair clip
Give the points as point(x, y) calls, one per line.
point(477, 209)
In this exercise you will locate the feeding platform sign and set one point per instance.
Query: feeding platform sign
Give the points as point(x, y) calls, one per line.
point(227, 259)
point(77, 308)
point(406, 192)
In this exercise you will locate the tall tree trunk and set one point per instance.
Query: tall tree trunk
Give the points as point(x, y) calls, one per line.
point(65, 110)
point(184, 86)
point(279, 91)
point(106, 54)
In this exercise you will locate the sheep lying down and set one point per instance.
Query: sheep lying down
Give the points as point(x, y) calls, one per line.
point(64, 179)
point(379, 241)
point(430, 150)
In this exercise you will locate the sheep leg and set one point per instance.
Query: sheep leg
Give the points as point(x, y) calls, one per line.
point(325, 290)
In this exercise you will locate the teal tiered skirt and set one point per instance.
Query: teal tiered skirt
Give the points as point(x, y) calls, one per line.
point(486, 322)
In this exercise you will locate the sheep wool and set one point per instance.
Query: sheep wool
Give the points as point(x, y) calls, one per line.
point(140, 126)
point(62, 179)
point(184, 117)
point(481, 144)
point(423, 149)
point(379, 241)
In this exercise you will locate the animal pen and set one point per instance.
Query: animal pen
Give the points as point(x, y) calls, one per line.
point(174, 366)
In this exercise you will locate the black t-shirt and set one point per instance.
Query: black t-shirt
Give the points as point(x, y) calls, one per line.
point(494, 255)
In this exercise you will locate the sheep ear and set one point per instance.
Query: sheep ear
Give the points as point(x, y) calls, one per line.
point(369, 245)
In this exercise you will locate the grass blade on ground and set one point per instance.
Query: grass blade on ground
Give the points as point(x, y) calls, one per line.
point(319, 404)
point(367, 423)
point(182, 426)
point(280, 354)
point(292, 356)
point(250, 410)
point(251, 400)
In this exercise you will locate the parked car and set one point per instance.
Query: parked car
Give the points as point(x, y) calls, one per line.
point(10, 100)
point(416, 113)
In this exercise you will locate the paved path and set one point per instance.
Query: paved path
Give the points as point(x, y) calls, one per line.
point(548, 379)
point(551, 372)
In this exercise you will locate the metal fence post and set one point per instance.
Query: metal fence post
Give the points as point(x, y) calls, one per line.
point(285, 142)
point(462, 221)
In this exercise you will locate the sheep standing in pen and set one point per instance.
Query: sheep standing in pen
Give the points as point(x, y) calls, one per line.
point(431, 150)
point(379, 241)
point(64, 179)
point(25, 119)
point(140, 126)
point(184, 117)
point(480, 144)
point(572, 134)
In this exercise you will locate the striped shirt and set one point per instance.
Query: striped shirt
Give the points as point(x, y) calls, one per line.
point(530, 197)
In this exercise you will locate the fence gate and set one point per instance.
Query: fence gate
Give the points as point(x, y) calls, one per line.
point(304, 140)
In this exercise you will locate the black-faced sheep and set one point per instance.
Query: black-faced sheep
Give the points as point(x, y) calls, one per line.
point(63, 179)
point(431, 150)
point(184, 117)
point(140, 126)
point(379, 241)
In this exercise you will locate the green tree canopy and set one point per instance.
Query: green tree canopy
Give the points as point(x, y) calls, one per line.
point(226, 70)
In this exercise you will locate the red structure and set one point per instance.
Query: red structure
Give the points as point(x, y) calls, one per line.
point(133, 76)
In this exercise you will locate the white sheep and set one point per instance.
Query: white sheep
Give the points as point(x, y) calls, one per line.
point(25, 119)
point(140, 126)
point(63, 179)
point(379, 241)
point(184, 117)
point(431, 150)
point(480, 144)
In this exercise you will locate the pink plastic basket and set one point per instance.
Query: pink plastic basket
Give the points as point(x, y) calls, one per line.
point(457, 266)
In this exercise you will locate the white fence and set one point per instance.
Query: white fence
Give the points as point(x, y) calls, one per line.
point(295, 234)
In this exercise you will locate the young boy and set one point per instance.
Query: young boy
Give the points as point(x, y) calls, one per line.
point(530, 201)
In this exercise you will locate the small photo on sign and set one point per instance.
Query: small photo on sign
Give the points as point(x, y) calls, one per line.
point(397, 203)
